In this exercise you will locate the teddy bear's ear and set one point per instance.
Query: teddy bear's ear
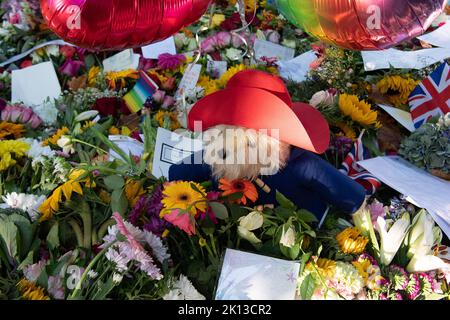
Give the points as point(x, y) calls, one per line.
point(261, 80)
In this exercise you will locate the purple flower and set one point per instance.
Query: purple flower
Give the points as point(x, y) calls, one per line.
point(146, 212)
point(170, 61)
point(71, 67)
point(413, 288)
point(272, 36)
point(21, 114)
point(399, 277)
point(168, 102)
point(223, 39)
point(208, 45)
point(376, 210)
point(158, 96)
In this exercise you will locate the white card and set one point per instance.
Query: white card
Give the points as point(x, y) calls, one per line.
point(269, 49)
point(172, 148)
point(421, 187)
point(297, 69)
point(249, 276)
point(124, 60)
point(153, 50)
point(439, 37)
point(216, 68)
point(126, 144)
point(189, 80)
point(384, 59)
point(402, 117)
point(35, 84)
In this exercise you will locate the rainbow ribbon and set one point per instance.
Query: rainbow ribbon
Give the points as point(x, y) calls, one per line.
point(145, 88)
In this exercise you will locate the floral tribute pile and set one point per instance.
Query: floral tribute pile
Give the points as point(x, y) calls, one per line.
point(76, 224)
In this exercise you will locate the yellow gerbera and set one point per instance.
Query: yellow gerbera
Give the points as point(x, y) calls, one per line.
point(326, 266)
point(117, 79)
point(351, 241)
point(396, 89)
point(362, 265)
point(358, 110)
point(8, 148)
point(161, 117)
point(92, 76)
point(30, 291)
point(181, 195)
point(9, 130)
point(54, 138)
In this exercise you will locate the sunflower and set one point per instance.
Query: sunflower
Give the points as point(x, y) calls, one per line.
point(30, 291)
point(326, 266)
point(222, 82)
point(346, 130)
point(117, 79)
point(11, 130)
point(351, 241)
point(8, 148)
point(185, 196)
point(162, 116)
point(133, 191)
point(92, 76)
point(245, 187)
point(396, 89)
point(208, 84)
point(54, 138)
point(358, 110)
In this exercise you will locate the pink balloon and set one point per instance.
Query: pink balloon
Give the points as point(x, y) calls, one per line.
point(119, 24)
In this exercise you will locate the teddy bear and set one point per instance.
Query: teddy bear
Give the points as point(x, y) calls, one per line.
point(252, 130)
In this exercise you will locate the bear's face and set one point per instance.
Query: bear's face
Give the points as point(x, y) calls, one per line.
point(238, 153)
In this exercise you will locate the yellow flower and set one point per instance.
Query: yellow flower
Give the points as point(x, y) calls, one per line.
point(51, 205)
point(159, 76)
point(181, 195)
point(9, 129)
point(92, 76)
point(351, 241)
point(362, 265)
point(249, 4)
point(359, 111)
point(133, 191)
point(165, 233)
point(347, 131)
point(161, 117)
point(217, 20)
point(202, 242)
point(104, 196)
point(396, 89)
point(87, 125)
point(54, 138)
point(8, 148)
point(208, 84)
point(117, 79)
point(222, 82)
point(114, 131)
point(326, 267)
point(30, 291)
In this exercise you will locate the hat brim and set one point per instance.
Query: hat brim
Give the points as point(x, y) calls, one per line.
point(300, 125)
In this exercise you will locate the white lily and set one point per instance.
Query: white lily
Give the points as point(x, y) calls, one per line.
point(425, 263)
point(363, 222)
point(86, 115)
point(288, 237)
point(392, 240)
point(65, 142)
point(254, 220)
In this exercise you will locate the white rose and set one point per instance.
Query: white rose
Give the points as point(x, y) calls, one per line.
point(288, 237)
point(322, 98)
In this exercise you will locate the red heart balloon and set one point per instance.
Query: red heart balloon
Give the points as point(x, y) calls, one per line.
point(119, 24)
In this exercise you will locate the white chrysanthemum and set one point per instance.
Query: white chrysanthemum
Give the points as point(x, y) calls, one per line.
point(47, 112)
point(182, 289)
point(29, 203)
point(37, 152)
point(347, 275)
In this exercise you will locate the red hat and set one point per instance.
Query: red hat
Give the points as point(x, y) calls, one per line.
point(257, 100)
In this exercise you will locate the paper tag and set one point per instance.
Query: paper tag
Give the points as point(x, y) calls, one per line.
point(124, 60)
point(35, 84)
point(249, 276)
point(216, 68)
point(272, 50)
point(153, 50)
point(439, 37)
point(126, 144)
point(189, 80)
point(173, 148)
point(297, 69)
point(402, 117)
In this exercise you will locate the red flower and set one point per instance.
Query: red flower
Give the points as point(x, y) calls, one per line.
point(111, 107)
point(67, 51)
point(234, 21)
point(26, 64)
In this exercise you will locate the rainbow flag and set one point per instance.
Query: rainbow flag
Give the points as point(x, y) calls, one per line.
point(144, 88)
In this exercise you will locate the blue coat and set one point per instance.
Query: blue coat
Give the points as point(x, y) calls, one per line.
point(309, 181)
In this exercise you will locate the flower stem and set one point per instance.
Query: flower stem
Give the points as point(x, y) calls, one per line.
point(104, 227)
point(77, 230)
point(87, 224)
point(89, 145)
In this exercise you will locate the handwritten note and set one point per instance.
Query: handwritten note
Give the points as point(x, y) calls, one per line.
point(189, 80)
point(269, 49)
point(297, 69)
point(153, 50)
point(124, 60)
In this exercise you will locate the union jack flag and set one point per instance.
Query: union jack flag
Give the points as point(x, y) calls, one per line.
point(431, 97)
point(350, 167)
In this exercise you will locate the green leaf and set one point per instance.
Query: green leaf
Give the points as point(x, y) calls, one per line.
point(220, 211)
point(53, 237)
point(304, 260)
point(114, 182)
point(9, 234)
point(283, 213)
point(103, 289)
point(119, 202)
point(26, 233)
point(294, 251)
point(237, 211)
point(306, 216)
point(234, 196)
point(307, 287)
point(285, 202)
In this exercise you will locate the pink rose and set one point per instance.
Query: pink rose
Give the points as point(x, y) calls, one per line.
point(208, 45)
point(158, 96)
point(223, 39)
point(71, 67)
point(168, 102)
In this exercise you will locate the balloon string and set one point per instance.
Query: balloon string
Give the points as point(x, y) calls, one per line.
point(245, 27)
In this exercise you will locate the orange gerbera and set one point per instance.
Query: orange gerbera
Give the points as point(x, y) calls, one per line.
point(245, 187)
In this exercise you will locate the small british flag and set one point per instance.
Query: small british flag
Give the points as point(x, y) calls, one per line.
point(350, 167)
point(431, 97)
